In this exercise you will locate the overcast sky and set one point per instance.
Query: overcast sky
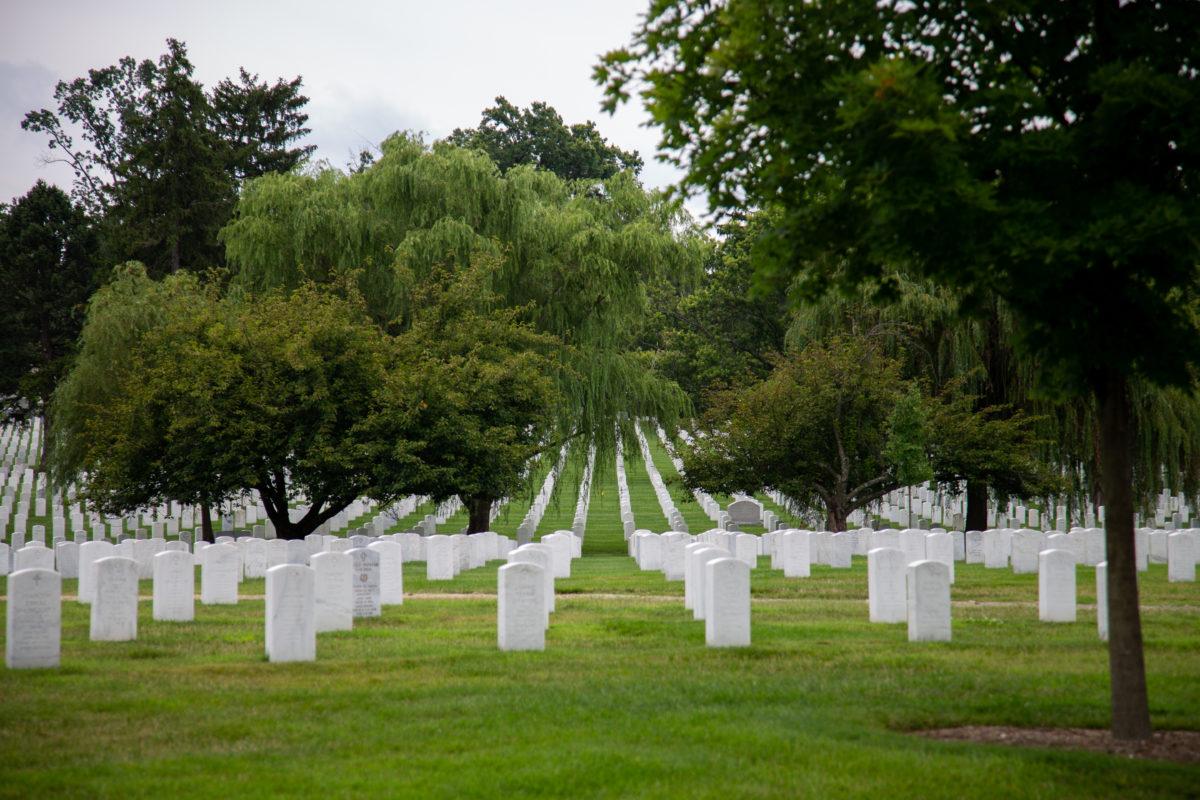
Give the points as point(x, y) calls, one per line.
point(369, 68)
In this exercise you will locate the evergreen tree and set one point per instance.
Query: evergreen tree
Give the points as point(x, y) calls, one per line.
point(48, 269)
point(538, 136)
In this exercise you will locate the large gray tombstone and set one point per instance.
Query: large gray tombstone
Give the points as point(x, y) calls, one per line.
point(365, 577)
point(333, 592)
point(391, 573)
point(928, 602)
point(89, 554)
point(745, 512)
point(66, 559)
point(439, 558)
point(521, 607)
point(290, 629)
point(33, 619)
point(727, 603)
point(174, 586)
point(220, 568)
point(1181, 557)
point(1056, 586)
point(797, 563)
point(1026, 545)
point(115, 607)
point(887, 570)
point(1102, 600)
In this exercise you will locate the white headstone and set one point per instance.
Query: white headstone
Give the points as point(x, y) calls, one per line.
point(521, 607)
point(33, 619)
point(1102, 600)
point(887, 570)
point(1056, 586)
point(940, 547)
point(33, 557)
point(699, 573)
point(115, 607)
point(796, 560)
point(365, 576)
point(66, 559)
point(727, 603)
point(841, 548)
point(746, 548)
point(673, 561)
point(89, 554)
point(174, 586)
point(1026, 544)
point(254, 558)
point(439, 558)
point(333, 592)
point(290, 617)
point(220, 569)
point(912, 542)
point(1181, 557)
point(928, 602)
point(995, 549)
point(391, 573)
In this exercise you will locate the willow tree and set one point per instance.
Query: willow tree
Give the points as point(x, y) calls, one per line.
point(575, 256)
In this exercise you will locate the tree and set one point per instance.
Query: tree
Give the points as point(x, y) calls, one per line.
point(492, 379)
point(215, 397)
point(1045, 155)
point(48, 269)
point(716, 331)
point(162, 158)
point(908, 438)
point(576, 260)
point(537, 136)
point(816, 429)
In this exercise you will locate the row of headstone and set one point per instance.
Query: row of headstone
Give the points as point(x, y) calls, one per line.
point(666, 502)
point(537, 509)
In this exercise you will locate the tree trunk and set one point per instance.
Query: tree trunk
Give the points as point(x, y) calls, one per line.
point(1126, 664)
point(977, 506)
point(835, 519)
point(206, 529)
point(479, 507)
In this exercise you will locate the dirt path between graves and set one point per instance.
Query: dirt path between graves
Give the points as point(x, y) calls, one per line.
point(1179, 746)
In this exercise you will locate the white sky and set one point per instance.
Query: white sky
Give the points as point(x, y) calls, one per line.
point(369, 68)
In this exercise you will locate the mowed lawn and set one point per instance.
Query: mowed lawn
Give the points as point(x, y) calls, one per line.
point(626, 701)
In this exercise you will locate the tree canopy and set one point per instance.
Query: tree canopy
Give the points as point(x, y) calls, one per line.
point(1047, 155)
point(161, 158)
point(48, 268)
point(538, 136)
point(213, 397)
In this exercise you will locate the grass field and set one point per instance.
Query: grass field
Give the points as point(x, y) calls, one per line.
point(625, 702)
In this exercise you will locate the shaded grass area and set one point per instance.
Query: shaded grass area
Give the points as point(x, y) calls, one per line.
point(625, 702)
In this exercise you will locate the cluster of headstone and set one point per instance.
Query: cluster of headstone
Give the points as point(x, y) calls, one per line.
point(313, 585)
point(582, 502)
point(525, 589)
point(537, 508)
point(715, 569)
point(623, 499)
point(665, 501)
point(710, 507)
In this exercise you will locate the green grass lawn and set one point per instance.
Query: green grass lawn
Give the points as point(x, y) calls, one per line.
point(626, 701)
